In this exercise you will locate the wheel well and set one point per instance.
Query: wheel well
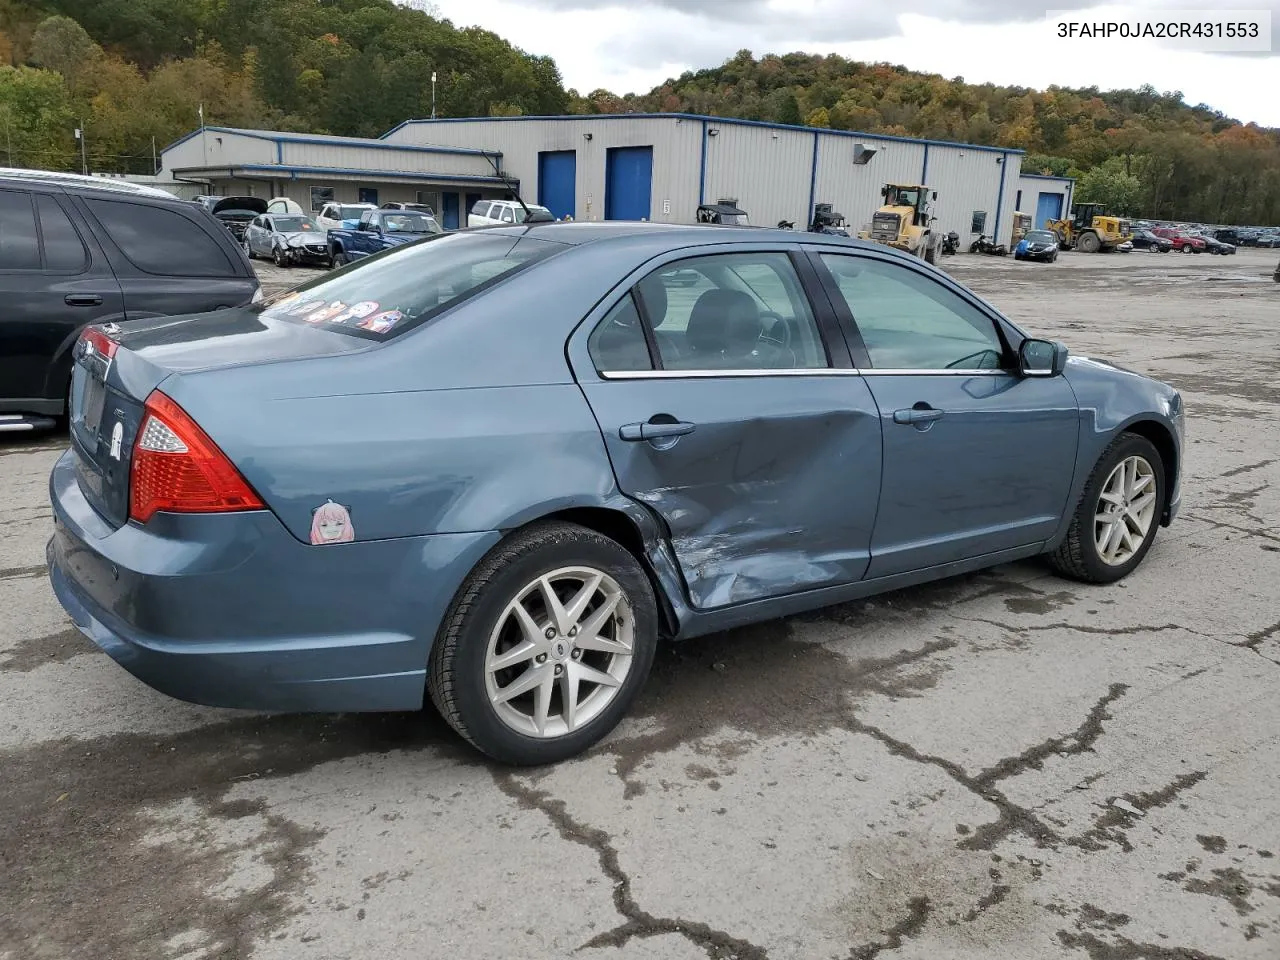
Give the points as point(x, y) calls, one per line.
point(1160, 437)
point(618, 527)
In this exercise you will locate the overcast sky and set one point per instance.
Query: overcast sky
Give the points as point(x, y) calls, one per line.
point(631, 47)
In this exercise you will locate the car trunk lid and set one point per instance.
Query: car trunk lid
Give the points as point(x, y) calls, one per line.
point(118, 366)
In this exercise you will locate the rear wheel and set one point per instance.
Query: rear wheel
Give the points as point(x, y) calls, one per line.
point(545, 646)
point(1118, 514)
point(248, 250)
point(338, 259)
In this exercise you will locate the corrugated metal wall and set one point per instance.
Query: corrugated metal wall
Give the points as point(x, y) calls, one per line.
point(373, 158)
point(676, 154)
point(218, 150)
point(765, 170)
point(854, 189)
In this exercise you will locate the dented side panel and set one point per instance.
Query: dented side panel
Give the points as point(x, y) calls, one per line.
point(774, 491)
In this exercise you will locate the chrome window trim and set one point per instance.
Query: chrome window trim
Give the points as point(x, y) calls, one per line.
point(792, 372)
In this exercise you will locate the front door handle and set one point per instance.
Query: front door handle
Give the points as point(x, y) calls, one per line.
point(83, 300)
point(917, 414)
point(654, 431)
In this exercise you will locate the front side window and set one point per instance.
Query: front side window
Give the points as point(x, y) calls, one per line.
point(742, 311)
point(161, 241)
point(19, 249)
point(909, 321)
point(507, 215)
point(389, 293)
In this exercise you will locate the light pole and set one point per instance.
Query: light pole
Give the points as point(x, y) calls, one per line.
point(433, 94)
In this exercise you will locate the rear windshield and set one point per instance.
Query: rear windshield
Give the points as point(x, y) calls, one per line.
point(385, 295)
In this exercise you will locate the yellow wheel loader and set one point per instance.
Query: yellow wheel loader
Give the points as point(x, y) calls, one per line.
point(905, 220)
point(1089, 230)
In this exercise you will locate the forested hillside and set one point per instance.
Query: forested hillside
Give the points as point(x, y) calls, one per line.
point(1140, 151)
point(137, 71)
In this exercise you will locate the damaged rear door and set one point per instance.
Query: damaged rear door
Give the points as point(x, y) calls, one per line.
point(730, 407)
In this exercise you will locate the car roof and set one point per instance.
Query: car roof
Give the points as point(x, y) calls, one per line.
point(579, 232)
point(80, 181)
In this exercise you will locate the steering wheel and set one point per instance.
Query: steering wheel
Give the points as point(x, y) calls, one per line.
point(768, 330)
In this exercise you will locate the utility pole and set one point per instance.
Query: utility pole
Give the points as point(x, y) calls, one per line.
point(433, 94)
point(155, 167)
point(8, 138)
point(84, 157)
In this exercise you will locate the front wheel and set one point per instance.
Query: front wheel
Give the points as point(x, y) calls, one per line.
point(1118, 514)
point(545, 646)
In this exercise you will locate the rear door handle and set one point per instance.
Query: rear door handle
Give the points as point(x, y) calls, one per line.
point(83, 300)
point(654, 431)
point(917, 415)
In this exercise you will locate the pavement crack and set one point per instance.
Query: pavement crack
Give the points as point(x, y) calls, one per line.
point(906, 928)
point(1110, 825)
point(17, 573)
point(1080, 740)
point(638, 923)
point(1012, 819)
point(1078, 628)
point(997, 896)
point(1126, 949)
point(1247, 468)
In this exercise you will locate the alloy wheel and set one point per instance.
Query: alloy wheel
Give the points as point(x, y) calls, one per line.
point(560, 652)
point(1126, 511)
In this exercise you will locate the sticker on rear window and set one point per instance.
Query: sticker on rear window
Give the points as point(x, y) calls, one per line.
point(381, 322)
point(326, 313)
point(357, 311)
point(331, 523)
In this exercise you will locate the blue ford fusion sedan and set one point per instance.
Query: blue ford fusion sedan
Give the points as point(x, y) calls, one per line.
point(497, 467)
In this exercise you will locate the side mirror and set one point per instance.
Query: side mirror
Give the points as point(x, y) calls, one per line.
point(1041, 358)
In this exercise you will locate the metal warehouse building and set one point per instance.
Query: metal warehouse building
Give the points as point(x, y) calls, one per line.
point(662, 166)
point(315, 169)
point(657, 167)
point(1045, 198)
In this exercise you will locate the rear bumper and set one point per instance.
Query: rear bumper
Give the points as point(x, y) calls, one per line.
point(231, 610)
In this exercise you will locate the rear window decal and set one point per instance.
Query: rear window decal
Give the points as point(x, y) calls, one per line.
point(357, 311)
point(381, 322)
point(326, 313)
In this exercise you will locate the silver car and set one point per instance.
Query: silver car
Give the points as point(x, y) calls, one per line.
point(288, 240)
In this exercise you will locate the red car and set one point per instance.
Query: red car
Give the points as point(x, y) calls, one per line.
point(1181, 241)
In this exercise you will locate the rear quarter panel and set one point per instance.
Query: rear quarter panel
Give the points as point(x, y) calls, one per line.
point(473, 422)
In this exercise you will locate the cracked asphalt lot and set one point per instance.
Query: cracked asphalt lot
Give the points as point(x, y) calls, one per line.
point(1002, 765)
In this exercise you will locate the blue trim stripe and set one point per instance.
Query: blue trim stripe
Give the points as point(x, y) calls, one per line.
point(995, 234)
point(294, 171)
point(718, 120)
point(924, 173)
point(702, 171)
point(813, 182)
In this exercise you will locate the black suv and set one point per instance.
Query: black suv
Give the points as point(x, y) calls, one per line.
point(79, 250)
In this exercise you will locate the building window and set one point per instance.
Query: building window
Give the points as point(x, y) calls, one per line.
point(320, 196)
point(979, 224)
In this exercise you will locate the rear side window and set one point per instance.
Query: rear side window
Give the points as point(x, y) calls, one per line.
point(19, 249)
point(387, 294)
point(161, 241)
point(481, 209)
point(64, 251)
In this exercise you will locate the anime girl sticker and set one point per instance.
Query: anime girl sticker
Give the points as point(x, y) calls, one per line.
point(381, 322)
point(357, 311)
point(326, 313)
point(331, 523)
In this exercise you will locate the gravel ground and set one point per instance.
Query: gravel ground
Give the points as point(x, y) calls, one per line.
point(1003, 765)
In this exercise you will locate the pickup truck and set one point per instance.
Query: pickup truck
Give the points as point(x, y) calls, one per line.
point(377, 230)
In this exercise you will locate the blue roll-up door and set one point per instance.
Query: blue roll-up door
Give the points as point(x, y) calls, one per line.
point(628, 183)
point(1048, 207)
point(449, 210)
point(558, 182)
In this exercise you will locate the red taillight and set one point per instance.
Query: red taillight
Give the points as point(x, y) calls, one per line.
point(178, 469)
point(100, 342)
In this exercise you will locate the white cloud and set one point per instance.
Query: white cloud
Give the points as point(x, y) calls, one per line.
point(635, 47)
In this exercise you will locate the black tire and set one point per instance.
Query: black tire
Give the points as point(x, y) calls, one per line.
point(248, 250)
point(1088, 243)
point(1078, 557)
point(1054, 258)
point(337, 259)
point(277, 259)
point(456, 670)
point(931, 255)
